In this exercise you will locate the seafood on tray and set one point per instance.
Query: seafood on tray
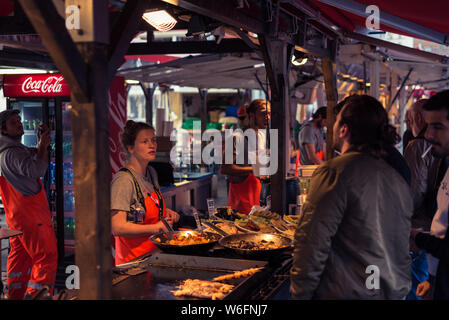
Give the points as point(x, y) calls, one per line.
point(265, 214)
point(227, 213)
point(226, 226)
point(252, 245)
point(188, 238)
point(238, 274)
point(256, 224)
point(203, 289)
point(291, 219)
point(284, 228)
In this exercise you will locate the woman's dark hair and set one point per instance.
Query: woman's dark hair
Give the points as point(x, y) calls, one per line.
point(367, 121)
point(130, 132)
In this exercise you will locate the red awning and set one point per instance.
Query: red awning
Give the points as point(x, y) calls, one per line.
point(156, 58)
point(6, 8)
point(428, 14)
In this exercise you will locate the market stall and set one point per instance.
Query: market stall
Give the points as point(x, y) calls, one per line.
point(88, 61)
point(220, 268)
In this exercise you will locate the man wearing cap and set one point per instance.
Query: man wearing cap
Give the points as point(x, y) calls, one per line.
point(311, 138)
point(32, 261)
point(243, 118)
point(245, 185)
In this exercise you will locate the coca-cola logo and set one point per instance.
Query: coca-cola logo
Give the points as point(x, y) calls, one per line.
point(49, 85)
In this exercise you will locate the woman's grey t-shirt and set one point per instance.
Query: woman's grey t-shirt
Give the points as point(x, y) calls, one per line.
point(123, 190)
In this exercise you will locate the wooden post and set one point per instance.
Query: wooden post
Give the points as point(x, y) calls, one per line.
point(330, 82)
point(90, 138)
point(277, 57)
point(88, 68)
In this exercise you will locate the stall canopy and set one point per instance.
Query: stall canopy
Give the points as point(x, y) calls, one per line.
point(240, 71)
point(420, 19)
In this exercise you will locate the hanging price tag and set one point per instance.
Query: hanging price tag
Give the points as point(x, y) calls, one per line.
point(197, 220)
point(210, 206)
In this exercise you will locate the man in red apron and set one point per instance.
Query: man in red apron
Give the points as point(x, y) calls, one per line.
point(32, 261)
point(244, 186)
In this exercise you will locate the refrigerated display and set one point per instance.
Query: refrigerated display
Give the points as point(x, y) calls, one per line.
point(33, 112)
point(45, 98)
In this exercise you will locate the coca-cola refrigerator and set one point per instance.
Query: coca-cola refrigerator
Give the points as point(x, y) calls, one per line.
point(45, 98)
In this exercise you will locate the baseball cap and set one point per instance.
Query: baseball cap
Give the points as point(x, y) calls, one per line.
point(241, 112)
point(4, 115)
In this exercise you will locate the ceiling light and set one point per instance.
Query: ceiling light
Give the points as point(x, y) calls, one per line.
point(21, 71)
point(298, 62)
point(161, 20)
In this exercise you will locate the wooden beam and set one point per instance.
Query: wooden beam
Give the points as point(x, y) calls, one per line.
point(12, 25)
point(226, 11)
point(122, 34)
point(268, 57)
point(51, 27)
point(26, 59)
point(184, 47)
point(393, 46)
point(330, 82)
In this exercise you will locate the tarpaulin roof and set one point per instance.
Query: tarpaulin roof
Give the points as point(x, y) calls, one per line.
point(420, 19)
point(204, 71)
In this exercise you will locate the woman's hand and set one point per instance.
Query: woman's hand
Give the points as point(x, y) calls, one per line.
point(161, 226)
point(172, 215)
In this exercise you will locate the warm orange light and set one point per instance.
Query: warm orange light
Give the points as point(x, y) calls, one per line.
point(161, 20)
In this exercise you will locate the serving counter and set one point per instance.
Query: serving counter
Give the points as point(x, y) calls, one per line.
point(192, 191)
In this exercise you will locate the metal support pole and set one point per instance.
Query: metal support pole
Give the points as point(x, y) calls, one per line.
point(400, 88)
point(203, 95)
point(330, 82)
point(148, 91)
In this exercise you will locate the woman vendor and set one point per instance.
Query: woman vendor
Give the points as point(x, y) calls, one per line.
point(136, 202)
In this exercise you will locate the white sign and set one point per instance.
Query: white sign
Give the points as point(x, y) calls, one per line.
point(49, 85)
point(372, 282)
point(73, 280)
point(72, 20)
point(373, 20)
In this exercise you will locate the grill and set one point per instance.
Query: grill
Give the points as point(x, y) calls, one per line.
point(154, 276)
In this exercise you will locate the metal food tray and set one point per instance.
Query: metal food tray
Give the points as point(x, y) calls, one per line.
point(164, 272)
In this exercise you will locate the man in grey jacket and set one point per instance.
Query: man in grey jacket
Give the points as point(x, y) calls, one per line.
point(352, 241)
point(423, 167)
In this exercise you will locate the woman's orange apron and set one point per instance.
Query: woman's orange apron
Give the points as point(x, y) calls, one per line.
point(243, 196)
point(127, 248)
